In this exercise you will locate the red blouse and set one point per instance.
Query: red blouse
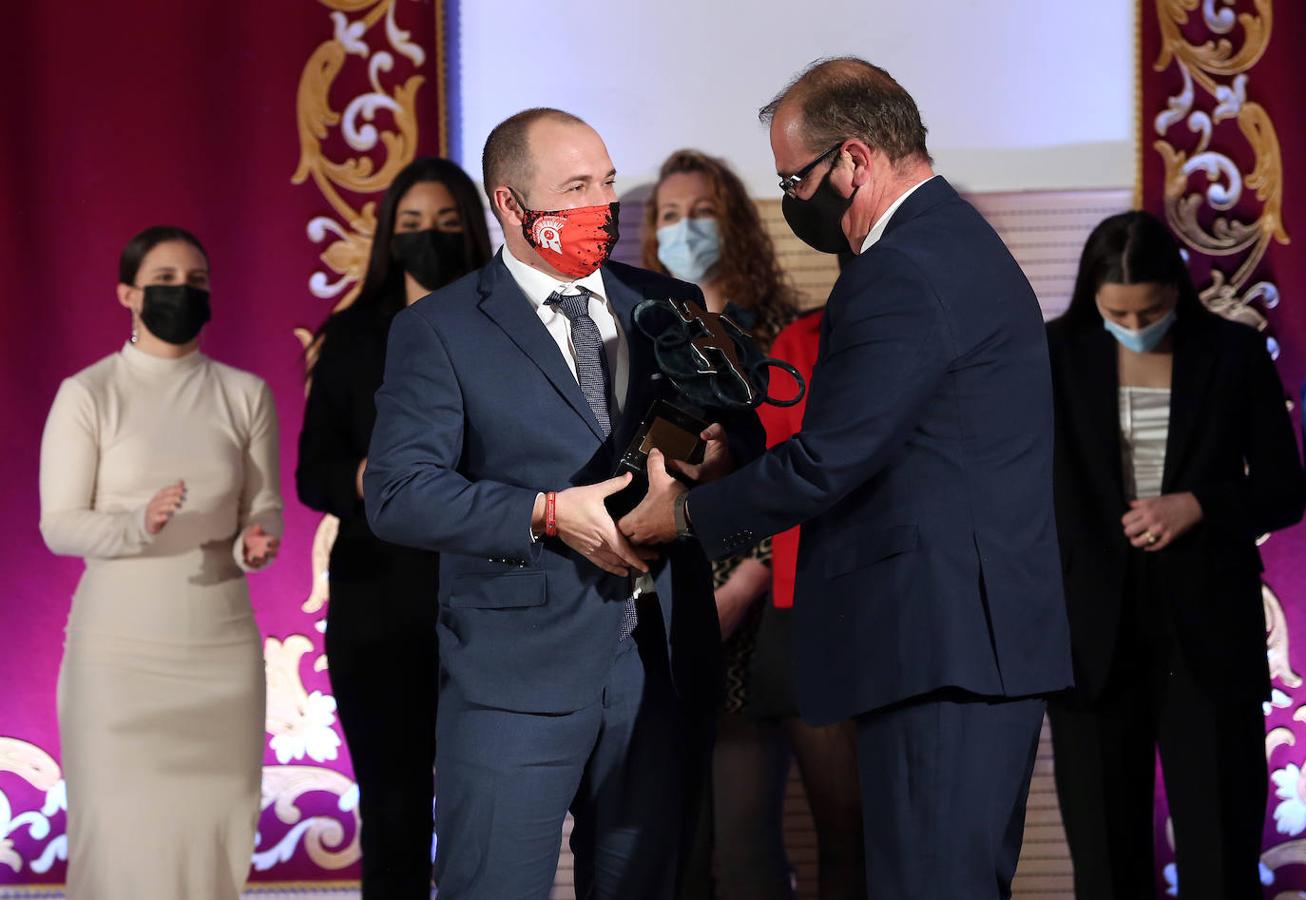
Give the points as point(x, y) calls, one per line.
point(796, 345)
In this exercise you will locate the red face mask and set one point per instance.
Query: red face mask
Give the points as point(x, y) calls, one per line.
point(573, 241)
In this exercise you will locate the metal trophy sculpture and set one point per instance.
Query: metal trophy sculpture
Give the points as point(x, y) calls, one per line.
point(714, 368)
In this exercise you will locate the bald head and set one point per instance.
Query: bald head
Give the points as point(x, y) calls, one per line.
point(507, 158)
point(846, 97)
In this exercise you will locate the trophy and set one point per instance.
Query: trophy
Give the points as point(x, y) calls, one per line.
point(713, 370)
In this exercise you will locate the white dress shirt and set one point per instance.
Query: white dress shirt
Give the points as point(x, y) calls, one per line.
point(537, 286)
point(877, 230)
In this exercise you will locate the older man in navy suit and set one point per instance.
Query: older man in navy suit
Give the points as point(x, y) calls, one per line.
point(929, 602)
point(576, 666)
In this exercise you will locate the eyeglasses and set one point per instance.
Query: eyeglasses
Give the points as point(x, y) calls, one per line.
point(790, 185)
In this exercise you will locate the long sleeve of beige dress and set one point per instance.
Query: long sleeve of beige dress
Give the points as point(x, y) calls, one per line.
point(161, 691)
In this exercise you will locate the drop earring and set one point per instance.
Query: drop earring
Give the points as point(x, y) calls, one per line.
point(135, 336)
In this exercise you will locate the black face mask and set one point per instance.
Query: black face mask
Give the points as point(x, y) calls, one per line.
point(175, 312)
point(433, 257)
point(816, 220)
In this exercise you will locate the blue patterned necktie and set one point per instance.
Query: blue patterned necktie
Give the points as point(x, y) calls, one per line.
point(591, 358)
point(592, 373)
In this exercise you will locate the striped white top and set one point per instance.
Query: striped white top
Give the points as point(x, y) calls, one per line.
point(1144, 427)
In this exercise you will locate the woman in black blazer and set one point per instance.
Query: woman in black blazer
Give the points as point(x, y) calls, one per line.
point(380, 638)
point(1174, 454)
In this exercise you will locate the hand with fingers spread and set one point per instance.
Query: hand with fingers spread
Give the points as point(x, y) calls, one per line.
point(585, 526)
point(163, 506)
point(654, 520)
point(717, 459)
point(1153, 524)
point(259, 547)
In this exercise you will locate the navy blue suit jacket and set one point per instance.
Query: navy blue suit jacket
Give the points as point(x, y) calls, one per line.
point(478, 413)
point(922, 474)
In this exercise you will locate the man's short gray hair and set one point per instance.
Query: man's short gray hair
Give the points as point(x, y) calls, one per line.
point(846, 97)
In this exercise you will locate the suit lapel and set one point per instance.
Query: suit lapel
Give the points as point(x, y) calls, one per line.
point(503, 301)
point(1194, 365)
point(1096, 369)
point(639, 387)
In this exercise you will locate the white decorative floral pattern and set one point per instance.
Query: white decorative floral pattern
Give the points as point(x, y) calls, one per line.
point(1290, 813)
point(300, 723)
point(39, 770)
point(314, 737)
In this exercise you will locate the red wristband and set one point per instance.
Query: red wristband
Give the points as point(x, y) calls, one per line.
point(551, 514)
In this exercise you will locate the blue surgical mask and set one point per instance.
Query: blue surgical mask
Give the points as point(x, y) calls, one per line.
point(1144, 340)
point(690, 248)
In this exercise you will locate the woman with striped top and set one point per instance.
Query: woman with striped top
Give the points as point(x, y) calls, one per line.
point(1174, 455)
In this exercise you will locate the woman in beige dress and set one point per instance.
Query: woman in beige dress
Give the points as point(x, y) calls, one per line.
point(159, 467)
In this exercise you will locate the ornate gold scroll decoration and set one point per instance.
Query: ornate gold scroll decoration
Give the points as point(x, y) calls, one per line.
point(350, 228)
point(1230, 209)
point(1220, 69)
point(322, 836)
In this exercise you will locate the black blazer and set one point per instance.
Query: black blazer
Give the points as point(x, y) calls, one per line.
point(922, 476)
point(1230, 443)
point(338, 420)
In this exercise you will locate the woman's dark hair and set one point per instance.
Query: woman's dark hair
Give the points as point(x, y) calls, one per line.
point(383, 285)
point(129, 264)
point(1129, 248)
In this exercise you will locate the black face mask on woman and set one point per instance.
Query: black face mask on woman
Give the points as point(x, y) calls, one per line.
point(433, 257)
point(817, 221)
point(175, 313)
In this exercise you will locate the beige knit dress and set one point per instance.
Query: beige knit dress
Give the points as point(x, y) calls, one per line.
point(161, 691)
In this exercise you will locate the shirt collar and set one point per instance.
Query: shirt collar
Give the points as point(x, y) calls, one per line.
point(877, 230)
point(539, 286)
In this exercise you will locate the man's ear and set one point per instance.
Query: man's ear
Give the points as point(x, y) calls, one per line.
point(510, 211)
point(863, 161)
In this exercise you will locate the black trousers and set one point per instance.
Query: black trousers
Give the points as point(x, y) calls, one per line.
point(944, 783)
point(1212, 759)
point(384, 666)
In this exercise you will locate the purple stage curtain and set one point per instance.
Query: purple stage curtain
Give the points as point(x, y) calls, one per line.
point(270, 130)
point(1222, 155)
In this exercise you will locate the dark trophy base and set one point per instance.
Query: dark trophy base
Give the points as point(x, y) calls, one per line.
point(670, 428)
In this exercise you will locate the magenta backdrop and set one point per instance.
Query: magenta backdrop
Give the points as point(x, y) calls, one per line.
point(1251, 104)
point(121, 115)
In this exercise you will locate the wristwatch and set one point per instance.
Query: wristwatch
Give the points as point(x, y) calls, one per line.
point(684, 528)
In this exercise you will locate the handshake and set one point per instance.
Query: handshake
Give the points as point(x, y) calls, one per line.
point(628, 544)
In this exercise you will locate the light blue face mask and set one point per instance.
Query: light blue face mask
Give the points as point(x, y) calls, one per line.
point(1144, 340)
point(690, 248)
